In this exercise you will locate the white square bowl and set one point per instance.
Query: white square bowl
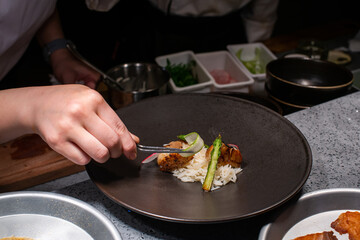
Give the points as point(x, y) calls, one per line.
point(266, 56)
point(222, 60)
point(205, 80)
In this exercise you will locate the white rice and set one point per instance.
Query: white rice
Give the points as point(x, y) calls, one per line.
point(196, 169)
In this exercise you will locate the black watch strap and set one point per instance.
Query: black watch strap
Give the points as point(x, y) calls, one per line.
point(52, 46)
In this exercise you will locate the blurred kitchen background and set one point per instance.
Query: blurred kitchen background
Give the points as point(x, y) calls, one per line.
point(132, 32)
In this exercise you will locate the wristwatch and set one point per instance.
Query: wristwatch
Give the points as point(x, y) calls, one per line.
point(52, 46)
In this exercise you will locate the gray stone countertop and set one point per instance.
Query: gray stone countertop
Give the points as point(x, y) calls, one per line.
point(333, 132)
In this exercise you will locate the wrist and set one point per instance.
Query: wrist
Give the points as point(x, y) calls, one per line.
point(54, 46)
point(16, 123)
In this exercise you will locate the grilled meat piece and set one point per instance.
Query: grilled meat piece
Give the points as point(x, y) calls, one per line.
point(229, 155)
point(348, 222)
point(168, 162)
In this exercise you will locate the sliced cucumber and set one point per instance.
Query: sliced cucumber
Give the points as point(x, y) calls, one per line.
point(196, 143)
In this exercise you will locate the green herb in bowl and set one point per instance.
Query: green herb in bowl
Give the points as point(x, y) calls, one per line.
point(182, 74)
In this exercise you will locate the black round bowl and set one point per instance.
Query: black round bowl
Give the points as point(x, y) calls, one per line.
point(306, 82)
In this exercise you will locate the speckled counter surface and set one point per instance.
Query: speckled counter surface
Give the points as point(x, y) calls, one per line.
point(333, 132)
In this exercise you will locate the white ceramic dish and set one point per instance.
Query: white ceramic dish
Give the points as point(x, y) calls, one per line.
point(249, 49)
point(222, 60)
point(185, 57)
point(312, 213)
point(44, 215)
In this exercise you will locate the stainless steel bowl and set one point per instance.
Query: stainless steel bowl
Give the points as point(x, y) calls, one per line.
point(136, 81)
point(44, 215)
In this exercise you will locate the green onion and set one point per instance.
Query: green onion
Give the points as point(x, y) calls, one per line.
point(182, 74)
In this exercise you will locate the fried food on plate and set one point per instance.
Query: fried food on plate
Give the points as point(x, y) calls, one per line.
point(348, 222)
point(318, 236)
point(229, 155)
point(170, 161)
point(16, 238)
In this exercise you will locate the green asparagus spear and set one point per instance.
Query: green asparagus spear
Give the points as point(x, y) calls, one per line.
point(215, 154)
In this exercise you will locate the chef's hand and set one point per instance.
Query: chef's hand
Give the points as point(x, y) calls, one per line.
point(68, 69)
point(77, 122)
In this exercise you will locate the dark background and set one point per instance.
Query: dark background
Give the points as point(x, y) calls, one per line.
point(134, 31)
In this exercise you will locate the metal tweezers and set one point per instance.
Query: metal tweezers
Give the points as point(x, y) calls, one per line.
point(161, 149)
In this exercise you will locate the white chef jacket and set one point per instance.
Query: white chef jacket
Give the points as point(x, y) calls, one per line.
point(259, 16)
point(19, 22)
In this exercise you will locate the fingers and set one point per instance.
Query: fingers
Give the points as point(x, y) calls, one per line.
point(78, 123)
point(72, 152)
point(107, 128)
point(91, 84)
point(127, 141)
point(88, 77)
point(105, 135)
point(100, 141)
point(90, 145)
point(135, 138)
point(80, 75)
point(70, 70)
point(80, 146)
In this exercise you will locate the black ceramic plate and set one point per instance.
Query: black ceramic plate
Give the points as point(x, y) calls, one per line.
point(276, 159)
point(313, 213)
point(267, 102)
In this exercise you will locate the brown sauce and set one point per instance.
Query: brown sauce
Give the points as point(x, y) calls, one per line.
point(28, 146)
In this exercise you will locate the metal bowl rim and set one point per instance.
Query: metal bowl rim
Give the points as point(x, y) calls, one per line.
point(135, 64)
point(67, 199)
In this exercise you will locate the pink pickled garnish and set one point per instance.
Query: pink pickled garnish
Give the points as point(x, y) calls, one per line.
point(151, 158)
point(221, 76)
point(233, 146)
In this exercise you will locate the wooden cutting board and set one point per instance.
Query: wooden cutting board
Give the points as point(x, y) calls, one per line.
point(28, 161)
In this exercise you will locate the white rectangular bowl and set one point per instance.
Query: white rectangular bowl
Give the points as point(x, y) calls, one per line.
point(265, 55)
point(205, 80)
point(222, 60)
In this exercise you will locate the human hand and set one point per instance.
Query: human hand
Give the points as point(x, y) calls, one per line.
point(67, 69)
point(76, 122)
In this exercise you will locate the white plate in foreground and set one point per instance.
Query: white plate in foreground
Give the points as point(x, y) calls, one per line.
point(313, 213)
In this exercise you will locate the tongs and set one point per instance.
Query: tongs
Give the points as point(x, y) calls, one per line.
point(106, 78)
point(161, 149)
